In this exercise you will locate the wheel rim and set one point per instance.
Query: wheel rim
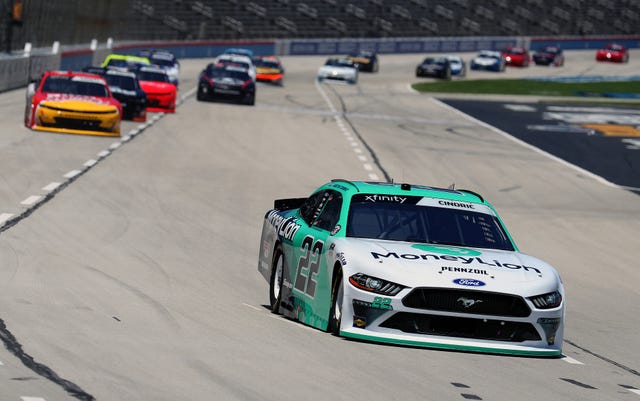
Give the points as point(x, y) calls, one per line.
point(277, 278)
point(337, 314)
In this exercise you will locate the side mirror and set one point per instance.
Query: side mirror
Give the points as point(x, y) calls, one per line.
point(31, 88)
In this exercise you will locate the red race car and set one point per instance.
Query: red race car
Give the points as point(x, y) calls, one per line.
point(161, 93)
point(613, 52)
point(72, 103)
point(516, 56)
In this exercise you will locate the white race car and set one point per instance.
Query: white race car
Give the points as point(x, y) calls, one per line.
point(410, 265)
point(339, 69)
point(489, 60)
point(458, 66)
point(238, 61)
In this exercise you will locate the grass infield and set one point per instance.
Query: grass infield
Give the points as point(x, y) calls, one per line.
point(622, 89)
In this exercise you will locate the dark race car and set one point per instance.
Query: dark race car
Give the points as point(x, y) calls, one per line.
point(125, 88)
point(438, 67)
point(226, 81)
point(366, 60)
point(549, 55)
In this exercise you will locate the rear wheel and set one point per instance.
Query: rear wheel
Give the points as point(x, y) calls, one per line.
point(337, 297)
point(275, 284)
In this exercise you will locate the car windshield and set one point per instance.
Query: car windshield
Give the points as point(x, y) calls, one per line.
point(230, 72)
point(154, 76)
point(415, 220)
point(75, 86)
point(121, 81)
point(162, 61)
point(340, 62)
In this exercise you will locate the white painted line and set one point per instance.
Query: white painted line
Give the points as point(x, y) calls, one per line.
point(51, 186)
point(367, 167)
point(90, 163)
point(30, 201)
point(104, 153)
point(32, 399)
point(125, 138)
point(357, 150)
point(72, 173)
point(252, 307)
point(134, 132)
point(1, 364)
point(362, 158)
point(634, 390)
point(115, 145)
point(374, 177)
point(572, 361)
point(142, 127)
point(4, 217)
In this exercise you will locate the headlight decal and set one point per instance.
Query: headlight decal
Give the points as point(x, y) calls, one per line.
point(375, 285)
point(547, 301)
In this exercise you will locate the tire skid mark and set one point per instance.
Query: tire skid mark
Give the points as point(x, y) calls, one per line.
point(14, 347)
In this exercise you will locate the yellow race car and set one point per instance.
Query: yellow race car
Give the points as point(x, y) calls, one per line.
point(72, 103)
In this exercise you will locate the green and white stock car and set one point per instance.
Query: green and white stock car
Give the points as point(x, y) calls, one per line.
point(410, 265)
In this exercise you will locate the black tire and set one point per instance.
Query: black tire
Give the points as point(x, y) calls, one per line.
point(200, 96)
point(337, 297)
point(250, 100)
point(275, 284)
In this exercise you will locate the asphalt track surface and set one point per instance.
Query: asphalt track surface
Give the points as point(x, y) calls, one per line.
point(136, 277)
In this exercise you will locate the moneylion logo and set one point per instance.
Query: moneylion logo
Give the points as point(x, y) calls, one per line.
point(468, 302)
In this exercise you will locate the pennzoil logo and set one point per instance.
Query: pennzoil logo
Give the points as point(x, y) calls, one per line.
point(286, 227)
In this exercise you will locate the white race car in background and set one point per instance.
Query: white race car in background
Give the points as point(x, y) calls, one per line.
point(458, 66)
point(339, 69)
point(489, 60)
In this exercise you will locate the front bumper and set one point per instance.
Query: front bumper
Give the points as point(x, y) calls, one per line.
point(372, 317)
point(77, 122)
point(162, 103)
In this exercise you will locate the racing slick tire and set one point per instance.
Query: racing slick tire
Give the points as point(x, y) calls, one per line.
point(201, 95)
point(337, 297)
point(277, 276)
point(250, 100)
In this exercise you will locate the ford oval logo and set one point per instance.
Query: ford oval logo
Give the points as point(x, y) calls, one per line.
point(469, 282)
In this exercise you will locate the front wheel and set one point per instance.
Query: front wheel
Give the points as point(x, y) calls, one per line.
point(275, 284)
point(337, 298)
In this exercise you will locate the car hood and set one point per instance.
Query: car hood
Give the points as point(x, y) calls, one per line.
point(485, 60)
point(77, 102)
point(418, 265)
point(157, 87)
point(328, 69)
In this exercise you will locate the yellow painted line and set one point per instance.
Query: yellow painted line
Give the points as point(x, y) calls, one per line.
point(614, 129)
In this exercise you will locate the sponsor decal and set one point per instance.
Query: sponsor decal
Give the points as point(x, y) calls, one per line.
point(461, 259)
point(286, 227)
point(463, 270)
point(69, 96)
point(456, 204)
point(446, 250)
point(385, 198)
point(468, 282)
point(341, 258)
point(336, 229)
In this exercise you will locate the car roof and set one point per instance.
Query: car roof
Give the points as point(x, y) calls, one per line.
point(404, 189)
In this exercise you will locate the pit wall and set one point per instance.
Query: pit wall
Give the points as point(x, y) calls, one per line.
point(17, 70)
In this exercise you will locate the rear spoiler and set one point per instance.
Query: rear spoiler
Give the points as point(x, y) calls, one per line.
point(288, 204)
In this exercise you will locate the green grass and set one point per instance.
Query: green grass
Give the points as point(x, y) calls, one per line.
point(528, 87)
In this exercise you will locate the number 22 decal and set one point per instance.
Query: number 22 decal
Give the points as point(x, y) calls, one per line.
point(311, 262)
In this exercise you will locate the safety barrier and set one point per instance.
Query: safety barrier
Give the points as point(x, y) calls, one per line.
point(19, 69)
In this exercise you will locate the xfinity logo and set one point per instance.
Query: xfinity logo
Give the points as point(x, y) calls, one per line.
point(469, 282)
point(385, 198)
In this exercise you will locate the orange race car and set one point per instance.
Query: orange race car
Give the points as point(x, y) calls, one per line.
point(269, 69)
